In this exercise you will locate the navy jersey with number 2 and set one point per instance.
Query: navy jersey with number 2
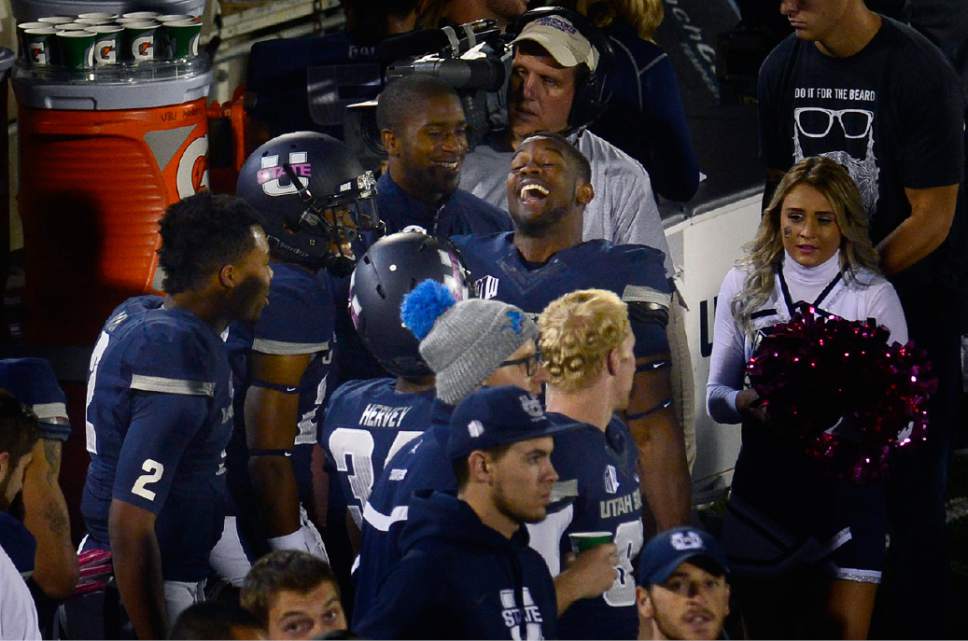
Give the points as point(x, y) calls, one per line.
point(158, 418)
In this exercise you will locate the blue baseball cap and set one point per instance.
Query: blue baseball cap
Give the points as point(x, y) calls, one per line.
point(671, 548)
point(494, 416)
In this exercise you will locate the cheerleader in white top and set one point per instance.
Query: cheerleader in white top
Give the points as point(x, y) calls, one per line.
point(806, 548)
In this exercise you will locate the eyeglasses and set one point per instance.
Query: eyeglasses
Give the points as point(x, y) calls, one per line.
point(530, 363)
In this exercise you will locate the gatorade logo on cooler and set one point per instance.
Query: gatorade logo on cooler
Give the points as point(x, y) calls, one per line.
point(38, 53)
point(106, 52)
point(143, 48)
point(192, 174)
point(195, 45)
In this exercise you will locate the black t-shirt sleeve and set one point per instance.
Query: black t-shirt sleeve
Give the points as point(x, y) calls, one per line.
point(771, 99)
point(931, 106)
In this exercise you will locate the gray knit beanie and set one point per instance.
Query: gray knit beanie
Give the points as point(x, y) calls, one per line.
point(466, 340)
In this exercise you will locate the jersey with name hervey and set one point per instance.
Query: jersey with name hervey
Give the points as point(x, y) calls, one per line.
point(597, 491)
point(367, 422)
point(298, 320)
point(147, 354)
point(634, 272)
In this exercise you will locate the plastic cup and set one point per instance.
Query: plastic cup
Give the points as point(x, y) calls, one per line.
point(107, 44)
point(98, 15)
point(76, 49)
point(138, 41)
point(172, 17)
point(581, 541)
point(39, 45)
point(22, 36)
point(73, 26)
point(141, 15)
point(52, 20)
point(181, 39)
point(94, 21)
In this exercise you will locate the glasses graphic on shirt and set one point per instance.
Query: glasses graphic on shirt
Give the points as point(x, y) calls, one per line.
point(816, 122)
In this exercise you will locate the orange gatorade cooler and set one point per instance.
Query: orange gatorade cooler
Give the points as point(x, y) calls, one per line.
point(101, 157)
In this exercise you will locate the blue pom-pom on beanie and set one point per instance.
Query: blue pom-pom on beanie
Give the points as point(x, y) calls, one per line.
point(424, 305)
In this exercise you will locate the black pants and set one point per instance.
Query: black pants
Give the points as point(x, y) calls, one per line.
point(915, 591)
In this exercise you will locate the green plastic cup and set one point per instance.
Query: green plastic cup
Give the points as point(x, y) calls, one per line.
point(39, 45)
point(181, 39)
point(107, 44)
point(139, 41)
point(22, 37)
point(76, 49)
point(93, 21)
point(98, 15)
point(172, 17)
point(140, 15)
point(73, 26)
point(581, 541)
point(52, 20)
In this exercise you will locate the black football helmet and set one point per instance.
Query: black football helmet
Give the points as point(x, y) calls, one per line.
point(313, 196)
point(390, 268)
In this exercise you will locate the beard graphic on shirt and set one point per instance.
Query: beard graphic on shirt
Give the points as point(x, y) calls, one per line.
point(864, 171)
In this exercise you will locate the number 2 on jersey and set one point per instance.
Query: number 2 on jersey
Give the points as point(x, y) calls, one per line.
point(154, 471)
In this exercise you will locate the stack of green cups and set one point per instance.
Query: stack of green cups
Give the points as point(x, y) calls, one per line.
point(96, 39)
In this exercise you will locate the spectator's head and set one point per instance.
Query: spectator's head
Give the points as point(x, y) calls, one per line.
point(644, 16)
point(548, 186)
point(213, 246)
point(423, 130)
point(815, 211)
point(816, 20)
point(587, 343)
point(370, 21)
point(682, 590)
point(471, 343)
point(294, 595)
point(18, 434)
point(552, 61)
point(214, 620)
point(500, 445)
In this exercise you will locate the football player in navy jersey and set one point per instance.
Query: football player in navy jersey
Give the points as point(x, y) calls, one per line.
point(587, 348)
point(467, 344)
point(312, 194)
point(159, 410)
point(368, 421)
point(543, 258)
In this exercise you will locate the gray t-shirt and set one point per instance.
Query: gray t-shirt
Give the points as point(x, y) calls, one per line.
point(623, 211)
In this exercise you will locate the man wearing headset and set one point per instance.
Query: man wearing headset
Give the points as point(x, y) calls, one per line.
point(556, 86)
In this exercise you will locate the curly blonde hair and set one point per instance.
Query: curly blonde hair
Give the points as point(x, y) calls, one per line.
point(577, 331)
point(765, 253)
point(644, 15)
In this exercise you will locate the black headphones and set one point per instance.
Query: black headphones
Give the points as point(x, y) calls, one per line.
point(590, 100)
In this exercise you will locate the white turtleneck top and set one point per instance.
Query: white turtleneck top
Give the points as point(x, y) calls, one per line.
point(866, 296)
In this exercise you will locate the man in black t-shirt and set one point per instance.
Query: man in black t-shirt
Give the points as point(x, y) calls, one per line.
point(878, 97)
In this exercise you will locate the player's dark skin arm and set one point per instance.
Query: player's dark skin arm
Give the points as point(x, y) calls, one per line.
point(46, 517)
point(270, 424)
point(662, 449)
point(137, 568)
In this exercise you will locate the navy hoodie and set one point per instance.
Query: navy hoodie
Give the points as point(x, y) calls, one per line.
point(461, 579)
